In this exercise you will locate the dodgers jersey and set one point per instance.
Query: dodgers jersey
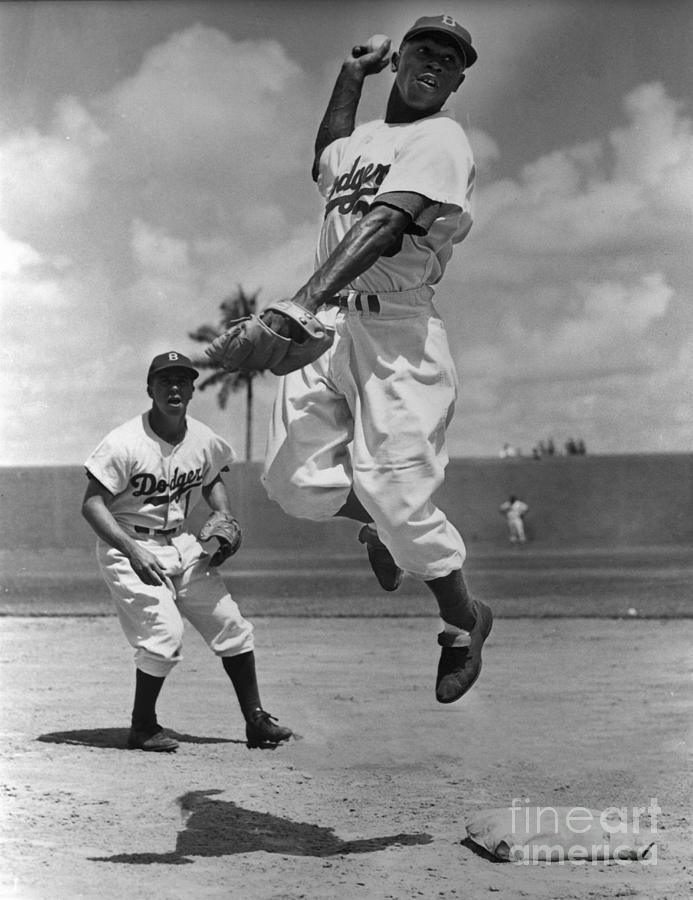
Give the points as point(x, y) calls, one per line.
point(156, 484)
point(431, 157)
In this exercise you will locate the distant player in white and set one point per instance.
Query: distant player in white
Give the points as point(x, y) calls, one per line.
point(361, 432)
point(145, 477)
point(514, 510)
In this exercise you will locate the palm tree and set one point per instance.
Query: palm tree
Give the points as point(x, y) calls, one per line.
point(235, 306)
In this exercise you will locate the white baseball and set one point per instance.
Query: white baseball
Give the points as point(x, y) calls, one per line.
point(376, 41)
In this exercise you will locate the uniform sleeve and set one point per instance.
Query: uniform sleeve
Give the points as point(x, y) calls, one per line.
point(422, 211)
point(221, 455)
point(109, 464)
point(434, 160)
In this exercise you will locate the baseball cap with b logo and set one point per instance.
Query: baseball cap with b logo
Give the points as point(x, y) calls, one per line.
point(449, 26)
point(171, 360)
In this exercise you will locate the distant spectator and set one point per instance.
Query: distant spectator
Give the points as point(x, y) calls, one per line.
point(508, 451)
point(536, 453)
point(550, 447)
point(580, 448)
point(514, 511)
point(570, 447)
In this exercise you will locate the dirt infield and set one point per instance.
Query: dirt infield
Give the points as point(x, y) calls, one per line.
point(371, 800)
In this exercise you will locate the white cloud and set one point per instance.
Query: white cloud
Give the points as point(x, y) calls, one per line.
point(128, 221)
point(155, 251)
point(30, 286)
point(132, 216)
point(657, 140)
point(210, 109)
point(16, 256)
point(46, 177)
point(56, 327)
point(42, 176)
point(575, 279)
point(576, 199)
point(74, 123)
point(610, 330)
point(484, 148)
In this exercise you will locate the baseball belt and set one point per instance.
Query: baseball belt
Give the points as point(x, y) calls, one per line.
point(140, 529)
point(360, 302)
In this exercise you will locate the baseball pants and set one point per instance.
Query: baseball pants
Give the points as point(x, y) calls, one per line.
point(516, 531)
point(151, 616)
point(372, 414)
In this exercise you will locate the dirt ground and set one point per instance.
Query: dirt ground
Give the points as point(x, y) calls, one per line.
point(371, 798)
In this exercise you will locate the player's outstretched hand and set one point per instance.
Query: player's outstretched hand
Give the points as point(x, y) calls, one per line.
point(147, 567)
point(371, 57)
point(283, 338)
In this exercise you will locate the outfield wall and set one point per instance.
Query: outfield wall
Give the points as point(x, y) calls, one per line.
point(609, 501)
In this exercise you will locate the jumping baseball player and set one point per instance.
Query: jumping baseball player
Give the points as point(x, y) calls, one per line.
point(368, 388)
point(145, 477)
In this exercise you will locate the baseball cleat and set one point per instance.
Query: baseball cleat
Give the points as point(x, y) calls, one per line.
point(459, 667)
point(260, 729)
point(386, 570)
point(156, 741)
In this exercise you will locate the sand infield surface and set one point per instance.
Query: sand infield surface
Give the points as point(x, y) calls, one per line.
point(370, 800)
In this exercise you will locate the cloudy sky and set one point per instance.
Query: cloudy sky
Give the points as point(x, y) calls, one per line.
point(155, 155)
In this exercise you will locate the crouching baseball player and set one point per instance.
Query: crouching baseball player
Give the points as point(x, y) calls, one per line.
point(145, 477)
point(368, 383)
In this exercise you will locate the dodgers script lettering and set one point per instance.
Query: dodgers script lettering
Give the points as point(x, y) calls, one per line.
point(350, 189)
point(145, 484)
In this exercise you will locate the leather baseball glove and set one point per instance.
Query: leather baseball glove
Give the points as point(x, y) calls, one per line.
point(250, 345)
point(226, 530)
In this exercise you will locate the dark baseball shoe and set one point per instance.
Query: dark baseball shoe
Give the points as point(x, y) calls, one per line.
point(459, 667)
point(260, 729)
point(156, 741)
point(386, 570)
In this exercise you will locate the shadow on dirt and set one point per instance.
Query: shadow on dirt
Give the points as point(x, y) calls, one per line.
point(221, 828)
point(116, 738)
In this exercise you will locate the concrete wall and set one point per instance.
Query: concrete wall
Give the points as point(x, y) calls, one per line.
point(615, 501)
point(611, 501)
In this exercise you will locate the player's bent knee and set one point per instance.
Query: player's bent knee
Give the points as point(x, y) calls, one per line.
point(235, 645)
point(155, 664)
point(316, 504)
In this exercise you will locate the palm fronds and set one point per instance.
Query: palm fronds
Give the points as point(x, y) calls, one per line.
point(236, 306)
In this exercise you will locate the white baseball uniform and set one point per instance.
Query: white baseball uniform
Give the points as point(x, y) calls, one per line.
point(156, 485)
point(372, 412)
point(514, 513)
